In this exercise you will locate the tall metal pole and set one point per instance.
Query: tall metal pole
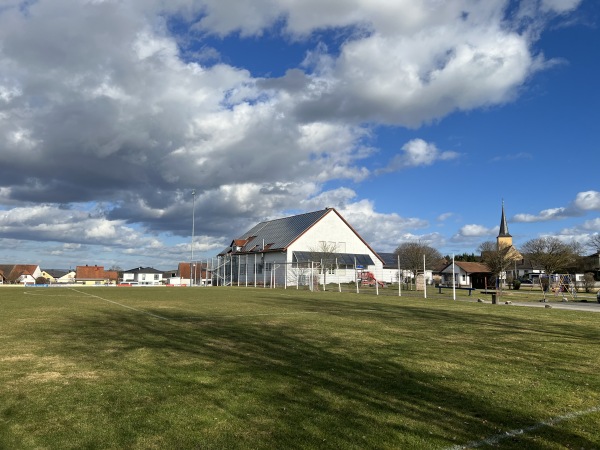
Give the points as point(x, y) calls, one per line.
point(424, 279)
point(399, 278)
point(193, 225)
point(454, 280)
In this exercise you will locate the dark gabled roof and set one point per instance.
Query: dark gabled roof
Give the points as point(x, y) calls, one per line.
point(276, 235)
point(143, 270)
point(57, 273)
point(345, 259)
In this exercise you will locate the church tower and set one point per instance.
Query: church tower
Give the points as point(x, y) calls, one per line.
point(504, 239)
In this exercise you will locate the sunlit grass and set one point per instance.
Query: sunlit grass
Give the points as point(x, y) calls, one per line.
point(268, 368)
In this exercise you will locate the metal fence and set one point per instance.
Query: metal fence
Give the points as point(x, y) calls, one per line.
point(254, 272)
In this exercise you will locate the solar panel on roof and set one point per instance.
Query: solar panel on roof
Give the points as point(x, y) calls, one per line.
point(347, 259)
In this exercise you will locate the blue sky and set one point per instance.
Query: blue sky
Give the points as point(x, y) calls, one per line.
point(415, 119)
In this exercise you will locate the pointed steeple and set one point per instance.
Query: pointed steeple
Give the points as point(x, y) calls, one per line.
point(503, 225)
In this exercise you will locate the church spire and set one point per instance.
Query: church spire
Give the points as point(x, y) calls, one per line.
point(503, 225)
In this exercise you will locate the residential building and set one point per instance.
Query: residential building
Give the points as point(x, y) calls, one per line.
point(467, 274)
point(185, 276)
point(95, 276)
point(525, 269)
point(19, 273)
point(390, 270)
point(143, 276)
point(591, 263)
point(59, 276)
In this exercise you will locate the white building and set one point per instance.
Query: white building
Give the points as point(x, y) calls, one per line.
point(390, 273)
point(319, 246)
point(144, 276)
point(19, 273)
point(466, 274)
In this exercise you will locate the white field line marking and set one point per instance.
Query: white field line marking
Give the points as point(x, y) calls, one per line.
point(122, 305)
point(38, 294)
point(245, 315)
point(85, 294)
point(512, 433)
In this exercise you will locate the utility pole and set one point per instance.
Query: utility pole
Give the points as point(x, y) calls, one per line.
point(192, 268)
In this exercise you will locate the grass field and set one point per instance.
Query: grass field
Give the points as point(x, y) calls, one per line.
point(235, 368)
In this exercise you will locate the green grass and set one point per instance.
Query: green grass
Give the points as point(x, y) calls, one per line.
point(235, 368)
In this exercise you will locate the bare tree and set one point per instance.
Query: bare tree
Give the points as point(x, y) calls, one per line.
point(551, 253)
point(498, 258)
point(324, 254)
point(411, 256)
point(594, 242)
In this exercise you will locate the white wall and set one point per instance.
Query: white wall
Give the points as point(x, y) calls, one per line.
point(332, 229)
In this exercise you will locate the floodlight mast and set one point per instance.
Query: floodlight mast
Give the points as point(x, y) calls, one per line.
point(192, 268)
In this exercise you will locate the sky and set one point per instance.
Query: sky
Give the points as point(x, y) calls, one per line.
point(127, 127)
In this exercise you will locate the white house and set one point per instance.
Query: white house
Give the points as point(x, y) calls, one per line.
point(390, 270)
point(466, 274)
point(19, 273)
point(318, 246)
point(143, 276)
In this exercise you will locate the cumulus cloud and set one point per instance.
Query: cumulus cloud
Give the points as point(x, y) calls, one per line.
point(383, 231)
point(474, 230)
point(51, 223)
point(588, 201)
point(583, 202)
point(103, 101)
point(542, 216)
point(418, 153)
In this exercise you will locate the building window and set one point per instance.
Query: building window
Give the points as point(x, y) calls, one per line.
point(268, 267)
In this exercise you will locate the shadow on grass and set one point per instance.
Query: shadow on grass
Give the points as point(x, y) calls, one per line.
point(326, 380)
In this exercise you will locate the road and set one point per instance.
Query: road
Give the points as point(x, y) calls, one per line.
point(591, 305)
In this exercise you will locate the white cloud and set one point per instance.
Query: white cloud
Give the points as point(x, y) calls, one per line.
point(592, 225)
point(50, 223)
point(99, 102)
point(584, 202)
point(545, 215)
point(418, 153)
point(588, 201)
point(445, 216)
point(474, 230)
point(559, 6)
point(383, 231)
